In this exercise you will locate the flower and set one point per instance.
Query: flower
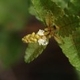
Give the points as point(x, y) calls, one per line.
point(36, 37)
point(40, 32)
point(43, 41)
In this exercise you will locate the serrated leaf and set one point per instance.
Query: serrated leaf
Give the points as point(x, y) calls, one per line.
point(39, 8)
point(76, 39)
point(33, 51)
point(67, 24)
point(62, 3)
point(62, 18)
point(73, 7)
point(66, 15)
point(76, 3)
point(71, 48)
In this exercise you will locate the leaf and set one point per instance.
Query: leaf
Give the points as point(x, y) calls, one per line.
point(67, 24)
point(62, 3)
point(66, 15)
point(71, 48)
point(39, 8)
point(71, 20)
point(74, 7)
point(62, 17)
point(33, 51)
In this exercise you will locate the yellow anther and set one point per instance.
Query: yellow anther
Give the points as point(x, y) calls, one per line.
point(31, 38)
point(37, 36)
point(28, 36)
point(29, 41)
point(33, 34)
point(24, 40)
point(35, 40)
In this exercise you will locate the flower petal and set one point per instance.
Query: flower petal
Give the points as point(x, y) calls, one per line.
point(40, 32)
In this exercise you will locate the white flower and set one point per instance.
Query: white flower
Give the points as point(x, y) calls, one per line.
point(43, 41)
point(40, 32)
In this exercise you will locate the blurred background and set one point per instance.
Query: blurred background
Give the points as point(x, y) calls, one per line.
point(15, 23)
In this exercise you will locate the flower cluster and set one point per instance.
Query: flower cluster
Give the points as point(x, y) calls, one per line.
point(36, 37)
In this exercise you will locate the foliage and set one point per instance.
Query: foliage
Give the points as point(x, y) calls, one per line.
point(65, 15)
point(13, 14)
point(33, 51)
point(61, 17)
point(71, 50)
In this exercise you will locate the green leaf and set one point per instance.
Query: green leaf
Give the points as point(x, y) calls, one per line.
point(73, 7)
point(33, 51)
point(67, 24)
point(62, 17)
point(71, 48)
point(71, 19)
point(39, 8)
point(66, 15)
point(62, 3)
